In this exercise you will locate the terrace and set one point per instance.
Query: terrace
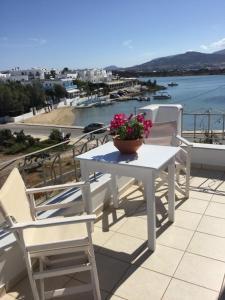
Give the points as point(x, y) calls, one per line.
point(189, 260)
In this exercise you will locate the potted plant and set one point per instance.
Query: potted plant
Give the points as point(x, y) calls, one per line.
point(129, 131)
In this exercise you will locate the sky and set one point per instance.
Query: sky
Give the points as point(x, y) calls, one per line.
point(98, 33)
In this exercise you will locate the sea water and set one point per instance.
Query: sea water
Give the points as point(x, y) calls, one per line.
point(197, 94)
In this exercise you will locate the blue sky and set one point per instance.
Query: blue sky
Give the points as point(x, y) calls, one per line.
point(97, 33)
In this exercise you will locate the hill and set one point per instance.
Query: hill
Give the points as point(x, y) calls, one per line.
point(111, 68)
point(186, 61)
point(220, 52)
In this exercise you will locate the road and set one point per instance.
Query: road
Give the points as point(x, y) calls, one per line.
point(41, 131)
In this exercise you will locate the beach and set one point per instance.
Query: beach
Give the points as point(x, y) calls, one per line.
point(59, 116)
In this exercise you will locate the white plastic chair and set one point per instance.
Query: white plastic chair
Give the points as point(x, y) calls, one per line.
point(165, 134)
point(62, 246)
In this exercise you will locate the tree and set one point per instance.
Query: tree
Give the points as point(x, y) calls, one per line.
point(65, 70)
point(56, 136)
point(60, 91)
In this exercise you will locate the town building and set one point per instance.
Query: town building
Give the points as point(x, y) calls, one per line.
point(33, 73)
point(95, 75)
point(67, 83)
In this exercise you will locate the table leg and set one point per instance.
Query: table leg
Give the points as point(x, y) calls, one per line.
point(114, 188)
point(171, 190)
point(149, 186)
point(86, 190)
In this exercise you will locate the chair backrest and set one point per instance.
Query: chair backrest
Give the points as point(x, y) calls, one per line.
point(163, 134)
point(13, 198)
point(167, 114)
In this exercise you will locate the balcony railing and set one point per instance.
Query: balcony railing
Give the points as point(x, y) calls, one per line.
point(204, 127)
point(55, 164)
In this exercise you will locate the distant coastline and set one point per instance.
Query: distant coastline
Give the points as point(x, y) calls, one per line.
point(165, 73)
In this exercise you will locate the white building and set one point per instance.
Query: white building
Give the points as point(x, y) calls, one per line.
point(33, 73)
point(95, 75)
point(67, 83)
point(74, 76)
point(4, 77)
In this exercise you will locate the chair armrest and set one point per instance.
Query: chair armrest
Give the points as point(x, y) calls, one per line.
point(184, 141)
point(52, 222)
point(56, 187)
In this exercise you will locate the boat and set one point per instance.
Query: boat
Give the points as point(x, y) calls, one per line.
point(162, 96)
point(172, 84)
point(143, 99)
point(103, 103)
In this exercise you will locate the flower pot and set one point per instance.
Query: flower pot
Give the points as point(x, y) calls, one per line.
point(127, 146)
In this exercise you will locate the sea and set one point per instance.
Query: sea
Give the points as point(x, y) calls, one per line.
point(197, 94)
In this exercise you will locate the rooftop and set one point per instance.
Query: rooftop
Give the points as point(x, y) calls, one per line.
point(189, 260)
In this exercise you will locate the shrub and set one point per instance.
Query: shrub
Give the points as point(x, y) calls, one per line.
point(16, 148)
point(5, 134)
point(56, 136)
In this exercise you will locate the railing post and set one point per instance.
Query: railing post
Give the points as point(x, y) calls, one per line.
point(60, 168)
point(209, 121)
point(223, 126)
point(195, 116)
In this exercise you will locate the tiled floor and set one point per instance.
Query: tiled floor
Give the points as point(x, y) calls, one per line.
point(189, 261)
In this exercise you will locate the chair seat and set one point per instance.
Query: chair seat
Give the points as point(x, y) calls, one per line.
point(60, 236)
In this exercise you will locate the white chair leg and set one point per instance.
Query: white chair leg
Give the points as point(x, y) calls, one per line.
point(94, 275)
point(42, 286)
point(114, 189)
point(31, 279)
point(187, 185)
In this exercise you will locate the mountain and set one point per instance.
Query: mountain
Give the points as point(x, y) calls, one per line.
point(185, 61)
point(111, 68)
point(220, 52)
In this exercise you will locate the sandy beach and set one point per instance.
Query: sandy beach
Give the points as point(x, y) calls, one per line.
point(59, 116)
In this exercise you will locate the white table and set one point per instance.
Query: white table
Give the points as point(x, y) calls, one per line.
point(144, 166)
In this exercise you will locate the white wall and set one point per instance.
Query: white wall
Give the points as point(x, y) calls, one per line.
point(208, 156)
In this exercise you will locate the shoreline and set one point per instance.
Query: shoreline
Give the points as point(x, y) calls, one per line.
point(59, 116)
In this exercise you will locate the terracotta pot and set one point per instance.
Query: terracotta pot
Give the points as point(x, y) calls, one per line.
point(127, 146)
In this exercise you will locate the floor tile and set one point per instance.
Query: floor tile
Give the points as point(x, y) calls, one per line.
point(194, 205)
point(219, 197)
point(164, 260)
point(186, 219)
point(222, 187)
point(178, 290)
point(212, 225)
point(131, 200)
point(111, 219)
point(142, 284)
point(216, 210)
point(175, 237)
point(123, 247)
point(197, 182)
point(113, 297)
point(82, 296)
point(100, 237)
point(23, 290)
point(208, 245)
point(212, 184)
point(136, 227)
point(202, 271)
point(201, 195)
point(110, 271)
point(7, 297)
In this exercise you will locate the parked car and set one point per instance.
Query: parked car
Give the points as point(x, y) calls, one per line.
point(94, 126)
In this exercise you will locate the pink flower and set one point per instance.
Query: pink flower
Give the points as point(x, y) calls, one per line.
point(130, 130)
point(130, 127)
point(140, 118)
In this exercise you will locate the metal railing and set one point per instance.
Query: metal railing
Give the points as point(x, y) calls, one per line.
point(204, 127)
point(55, 164)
